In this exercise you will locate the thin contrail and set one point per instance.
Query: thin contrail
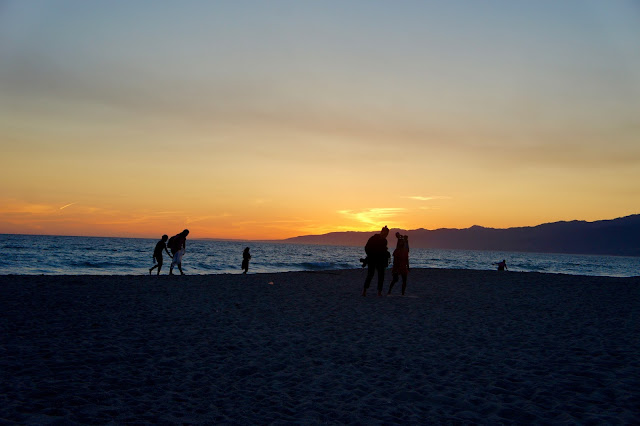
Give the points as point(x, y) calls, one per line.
point(70, 204)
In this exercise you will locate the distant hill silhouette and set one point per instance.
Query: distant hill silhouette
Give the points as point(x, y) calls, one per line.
point(620, 237)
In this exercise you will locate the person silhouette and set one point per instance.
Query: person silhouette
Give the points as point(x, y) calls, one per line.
point(404, 238)
point(377, 259)
point(400, 262)
point(178, 245)
point(502, 265)
point(245, 260)
point(157, 253)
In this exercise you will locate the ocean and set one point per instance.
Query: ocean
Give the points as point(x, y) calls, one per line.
point(60, 255)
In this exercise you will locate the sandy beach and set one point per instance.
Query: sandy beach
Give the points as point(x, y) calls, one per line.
point(461, 347)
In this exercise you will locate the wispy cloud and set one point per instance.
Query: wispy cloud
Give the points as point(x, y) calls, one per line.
point(428, 198)
point(373, 216)
point(12, 206)
point(70, 204)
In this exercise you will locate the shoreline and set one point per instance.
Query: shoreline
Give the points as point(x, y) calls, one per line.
point(327, 271)
point(462, 346)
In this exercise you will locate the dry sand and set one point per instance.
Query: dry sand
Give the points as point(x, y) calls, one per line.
point(306, 348)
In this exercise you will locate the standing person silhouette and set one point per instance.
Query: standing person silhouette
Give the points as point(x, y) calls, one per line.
point(378, 259)
point(245, 260)
point(400, 262)
point(157, 253)
point(178, 245)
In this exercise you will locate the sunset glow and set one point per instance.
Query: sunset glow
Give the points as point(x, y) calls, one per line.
point(268, 120)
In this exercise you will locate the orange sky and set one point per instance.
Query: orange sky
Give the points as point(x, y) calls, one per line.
point(306, 119)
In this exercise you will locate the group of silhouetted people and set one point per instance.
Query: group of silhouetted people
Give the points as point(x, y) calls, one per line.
point(177, 244)
point(378, 258)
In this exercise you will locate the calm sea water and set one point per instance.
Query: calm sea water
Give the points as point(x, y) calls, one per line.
point(29, 254)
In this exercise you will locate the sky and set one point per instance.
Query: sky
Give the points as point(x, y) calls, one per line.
point(273, 119)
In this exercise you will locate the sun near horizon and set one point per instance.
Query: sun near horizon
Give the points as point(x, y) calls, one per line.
point(289, 119)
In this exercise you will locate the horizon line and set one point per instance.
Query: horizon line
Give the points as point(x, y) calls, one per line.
point(326, 233)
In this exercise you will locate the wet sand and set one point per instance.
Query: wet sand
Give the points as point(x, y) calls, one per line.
point(461, 347)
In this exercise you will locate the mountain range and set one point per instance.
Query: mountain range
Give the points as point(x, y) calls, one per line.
point(620, 237)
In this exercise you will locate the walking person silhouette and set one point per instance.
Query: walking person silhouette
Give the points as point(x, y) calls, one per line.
point(157, 253)
point(178, 245)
